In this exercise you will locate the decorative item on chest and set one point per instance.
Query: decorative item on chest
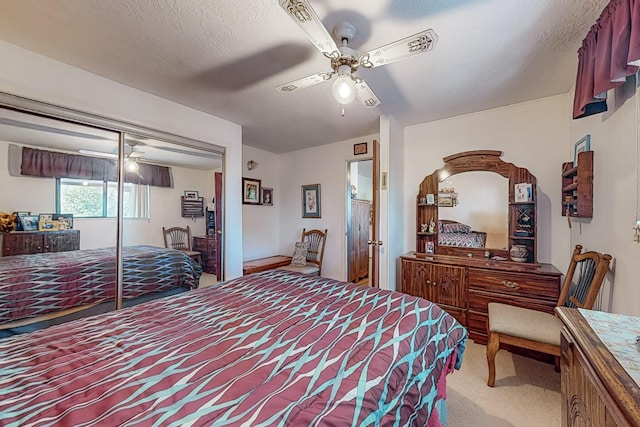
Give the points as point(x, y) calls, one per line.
point(519, 253)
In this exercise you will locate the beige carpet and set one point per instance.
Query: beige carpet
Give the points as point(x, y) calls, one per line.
point(526, 392)
point(207, 280)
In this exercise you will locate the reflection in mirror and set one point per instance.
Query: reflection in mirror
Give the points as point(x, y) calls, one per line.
point(478, 200)
point(62, 179)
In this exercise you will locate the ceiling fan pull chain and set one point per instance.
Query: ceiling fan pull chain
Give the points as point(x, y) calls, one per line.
point(342, 110)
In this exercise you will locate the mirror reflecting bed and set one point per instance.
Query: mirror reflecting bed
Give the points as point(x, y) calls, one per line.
point(473, 210)
point(60, 208)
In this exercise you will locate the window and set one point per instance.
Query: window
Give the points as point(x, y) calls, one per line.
point(99, 199)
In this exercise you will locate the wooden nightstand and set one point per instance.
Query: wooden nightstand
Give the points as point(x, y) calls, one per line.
point(207, 245)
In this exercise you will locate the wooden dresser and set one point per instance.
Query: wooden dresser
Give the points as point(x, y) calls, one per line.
point(207, 246)
point(34, 242)
point(464, 286)
point(596, 388)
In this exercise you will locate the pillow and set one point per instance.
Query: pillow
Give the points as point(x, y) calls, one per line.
point(454, 227)
point(300, 254)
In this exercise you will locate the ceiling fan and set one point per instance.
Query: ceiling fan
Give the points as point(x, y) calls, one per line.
point(131, 156)
point(344, 60)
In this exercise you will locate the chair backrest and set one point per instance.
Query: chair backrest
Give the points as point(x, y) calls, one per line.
point(316, 239)
point(177, 238)
point(584, 278)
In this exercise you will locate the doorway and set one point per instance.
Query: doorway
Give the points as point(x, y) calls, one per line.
point(360, 198)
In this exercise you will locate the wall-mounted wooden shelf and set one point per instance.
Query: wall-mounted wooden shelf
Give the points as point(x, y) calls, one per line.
point(192, 207)
point(577, 187)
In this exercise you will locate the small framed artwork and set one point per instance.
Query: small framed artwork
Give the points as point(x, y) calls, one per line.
point(251, 191)
point(360, 148)
point(523, 193)
point(266, 197)
point(45, 217)
point(445, 200)
point(429, 247)
point(48, 225)
point(65, 221)
point(191, 194)
point(583, 145)
point(431, 200)
point(29, 222)
point(311, 201)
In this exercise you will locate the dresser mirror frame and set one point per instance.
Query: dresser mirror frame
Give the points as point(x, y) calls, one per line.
point(470, 161)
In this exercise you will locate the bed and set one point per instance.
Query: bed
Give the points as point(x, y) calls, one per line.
point(37, 285)
point(271, 348)
point(453, 233)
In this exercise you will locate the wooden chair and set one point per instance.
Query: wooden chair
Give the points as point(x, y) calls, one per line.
point(539, 331)
point(315, 253)
point(180, 238)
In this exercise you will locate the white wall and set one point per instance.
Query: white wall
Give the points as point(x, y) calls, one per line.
point(260, 224)
point(614, 141)
point(34, 76)
point(531, 135)
point(325, 165)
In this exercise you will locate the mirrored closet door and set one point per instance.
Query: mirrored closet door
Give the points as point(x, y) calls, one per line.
point(92, 211)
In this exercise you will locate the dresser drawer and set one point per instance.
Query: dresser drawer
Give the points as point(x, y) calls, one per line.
point(479, 300)
point(515, 283)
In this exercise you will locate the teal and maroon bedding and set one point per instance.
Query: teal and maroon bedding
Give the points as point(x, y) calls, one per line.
point(273, 348)
point(37, 284)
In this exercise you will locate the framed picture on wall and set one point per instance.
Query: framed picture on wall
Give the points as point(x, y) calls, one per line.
point(583, 145)
point(251, 191)
point(311, 201)
point(267, 196)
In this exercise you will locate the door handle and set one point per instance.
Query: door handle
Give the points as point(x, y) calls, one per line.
point(375, 242)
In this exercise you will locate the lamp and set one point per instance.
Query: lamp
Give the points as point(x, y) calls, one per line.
point(344, 88)
point(252, 165)
point(131, 166)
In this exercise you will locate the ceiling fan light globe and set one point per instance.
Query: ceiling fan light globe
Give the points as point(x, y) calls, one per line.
point(344, 90)
point(131, 166)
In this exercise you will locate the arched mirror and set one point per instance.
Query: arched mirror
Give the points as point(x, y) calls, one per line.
point(477, 205)
point(475, 199)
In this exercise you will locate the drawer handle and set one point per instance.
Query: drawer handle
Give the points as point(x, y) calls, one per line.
point(511, 285)
point(428, 282)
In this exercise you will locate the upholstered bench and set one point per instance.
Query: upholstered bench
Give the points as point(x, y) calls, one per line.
point(262, 264)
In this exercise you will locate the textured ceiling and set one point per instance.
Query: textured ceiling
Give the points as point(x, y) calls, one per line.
point(227, 57)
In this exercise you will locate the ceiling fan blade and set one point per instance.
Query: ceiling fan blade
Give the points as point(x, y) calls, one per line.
point(366, 95)
point(400, 49)
point(304, 15)
point(99, 154)
point(304, 82)
point(135, 154)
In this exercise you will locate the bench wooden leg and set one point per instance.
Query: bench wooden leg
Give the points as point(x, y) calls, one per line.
point(493, 345)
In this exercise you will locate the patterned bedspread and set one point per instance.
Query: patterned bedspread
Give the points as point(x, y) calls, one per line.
point(32, 285)
point(274, 348)
point(466, 240)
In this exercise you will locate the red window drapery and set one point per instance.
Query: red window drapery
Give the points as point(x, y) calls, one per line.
point(609, 54)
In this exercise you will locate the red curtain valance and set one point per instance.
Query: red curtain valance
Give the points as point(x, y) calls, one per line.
point(609, 54)
point(52, 164)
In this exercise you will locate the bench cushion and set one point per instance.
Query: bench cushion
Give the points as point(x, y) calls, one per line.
point(524, 323)
point(305, 269)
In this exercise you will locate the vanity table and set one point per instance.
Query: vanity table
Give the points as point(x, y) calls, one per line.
point(464, 280)
point(600, 365)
